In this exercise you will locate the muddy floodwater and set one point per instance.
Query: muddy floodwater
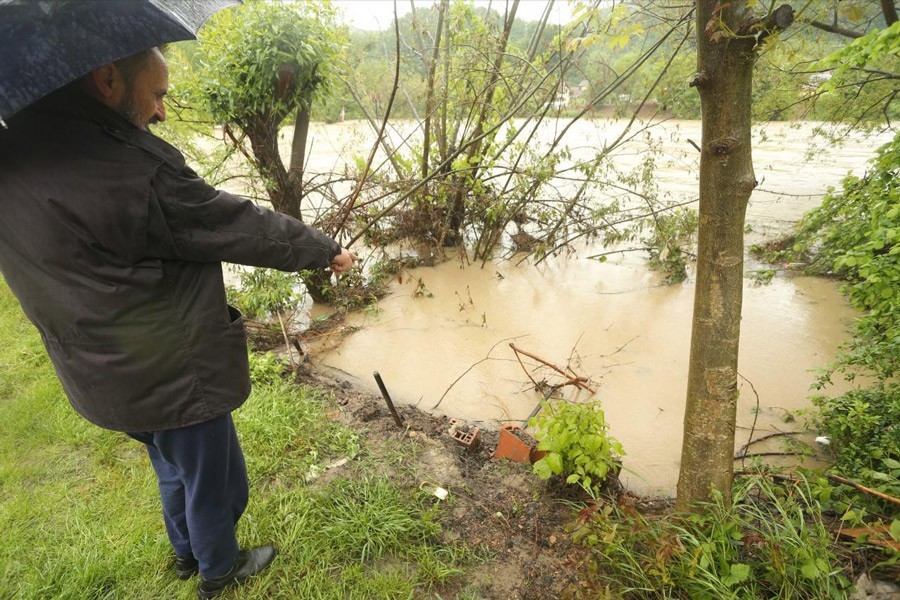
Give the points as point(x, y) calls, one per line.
point(446, 349)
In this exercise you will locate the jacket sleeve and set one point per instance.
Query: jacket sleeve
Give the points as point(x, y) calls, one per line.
point(190, 220)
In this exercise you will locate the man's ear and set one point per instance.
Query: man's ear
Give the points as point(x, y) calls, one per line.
point(104, 80)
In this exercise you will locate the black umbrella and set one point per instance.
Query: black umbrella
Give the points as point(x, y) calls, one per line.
point(45, 44)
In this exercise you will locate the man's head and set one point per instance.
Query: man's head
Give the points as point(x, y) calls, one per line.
point(133, 86)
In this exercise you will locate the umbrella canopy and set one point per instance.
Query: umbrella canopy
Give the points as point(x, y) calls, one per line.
point(45, 44)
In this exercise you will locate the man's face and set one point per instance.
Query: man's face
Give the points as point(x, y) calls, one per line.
point(142, 101)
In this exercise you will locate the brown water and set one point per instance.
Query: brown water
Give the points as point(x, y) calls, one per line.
point(613, 322)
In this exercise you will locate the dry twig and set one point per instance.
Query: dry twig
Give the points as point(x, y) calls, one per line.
point(580, 382)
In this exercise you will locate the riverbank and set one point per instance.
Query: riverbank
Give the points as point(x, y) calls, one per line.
point(355, 504)
point(519, 522)
point(349, 498)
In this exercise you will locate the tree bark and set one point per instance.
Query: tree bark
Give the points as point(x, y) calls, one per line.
point(264, 142)
point(889, 11)
point(298, 148)
point(724, 81)
point(429, 94)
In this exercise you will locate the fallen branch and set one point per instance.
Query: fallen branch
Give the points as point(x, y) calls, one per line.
point(863, 488)
point(879, 535)
point(741, 453)
point(835, 478)
point(769, 454)
point(580, 382)
point(536, 385)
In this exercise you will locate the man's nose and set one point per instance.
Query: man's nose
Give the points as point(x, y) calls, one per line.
point(160, 111)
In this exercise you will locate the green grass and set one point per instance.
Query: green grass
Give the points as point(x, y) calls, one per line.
point(80, 515)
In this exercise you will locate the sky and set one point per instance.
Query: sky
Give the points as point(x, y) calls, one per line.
point(374, 15)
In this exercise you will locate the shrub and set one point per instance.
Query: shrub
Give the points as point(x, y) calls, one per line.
point(577, 444)
point(855, 235)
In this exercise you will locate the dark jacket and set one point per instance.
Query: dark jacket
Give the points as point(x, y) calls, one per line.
point(113, 247)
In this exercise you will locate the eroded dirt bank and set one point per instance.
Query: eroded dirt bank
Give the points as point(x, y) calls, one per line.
point(499, 505)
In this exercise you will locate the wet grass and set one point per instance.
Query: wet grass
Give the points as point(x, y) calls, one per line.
point(80, 516)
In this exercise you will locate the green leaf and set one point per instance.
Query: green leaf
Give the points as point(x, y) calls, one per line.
point(809, 570)
point(541, 469)
point(554, 462)
point(738, 573)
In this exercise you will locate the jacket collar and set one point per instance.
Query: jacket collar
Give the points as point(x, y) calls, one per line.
point(70, 103)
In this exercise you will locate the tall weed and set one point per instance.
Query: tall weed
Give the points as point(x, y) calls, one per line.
point(771, 542)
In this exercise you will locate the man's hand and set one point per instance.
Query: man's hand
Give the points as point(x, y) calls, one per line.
point(342, 261)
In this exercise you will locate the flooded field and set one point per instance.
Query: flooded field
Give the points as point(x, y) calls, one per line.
point(441, 338)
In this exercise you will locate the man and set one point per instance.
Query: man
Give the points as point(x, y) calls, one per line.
point(113, 247)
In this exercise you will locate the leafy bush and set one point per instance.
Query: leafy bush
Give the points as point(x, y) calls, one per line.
point(265, 293)
point(671, 233)
point(270, 297)
point(577, 444)
point(855, 235)
point(266, 368)
point(865, 424)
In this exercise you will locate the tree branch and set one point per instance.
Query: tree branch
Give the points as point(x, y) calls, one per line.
point(889, 11)
point(577, 381)
point(887, 74)
point(863, 488)
point(835, 29)
point(777, 20)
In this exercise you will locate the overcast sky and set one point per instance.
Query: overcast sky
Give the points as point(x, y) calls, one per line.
point(377, 14)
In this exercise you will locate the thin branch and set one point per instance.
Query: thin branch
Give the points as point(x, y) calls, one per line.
point(287, 344)
point(464, 373)
point(742, 452)
point(835, 29)
point(580, 382)
point(741, 458)
point(863, 488)
point(755, 418)
point(887, 74)
point(387, 113)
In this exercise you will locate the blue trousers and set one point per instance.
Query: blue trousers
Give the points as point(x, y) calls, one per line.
point(203, 486)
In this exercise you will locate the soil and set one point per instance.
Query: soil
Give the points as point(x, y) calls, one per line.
point(495, 504)
point(500, 506)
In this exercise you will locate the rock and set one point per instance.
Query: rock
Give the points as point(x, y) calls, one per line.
point(869, 589)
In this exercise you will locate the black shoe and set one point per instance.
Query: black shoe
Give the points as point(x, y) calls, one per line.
point(186, 566)
point(249, 562)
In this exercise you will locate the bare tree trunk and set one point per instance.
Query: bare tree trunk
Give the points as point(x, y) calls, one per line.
point(889, 11)
point(285, 197)
point(429, 95)
point(457, 210)
point(726, 52)
point(298, 149)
